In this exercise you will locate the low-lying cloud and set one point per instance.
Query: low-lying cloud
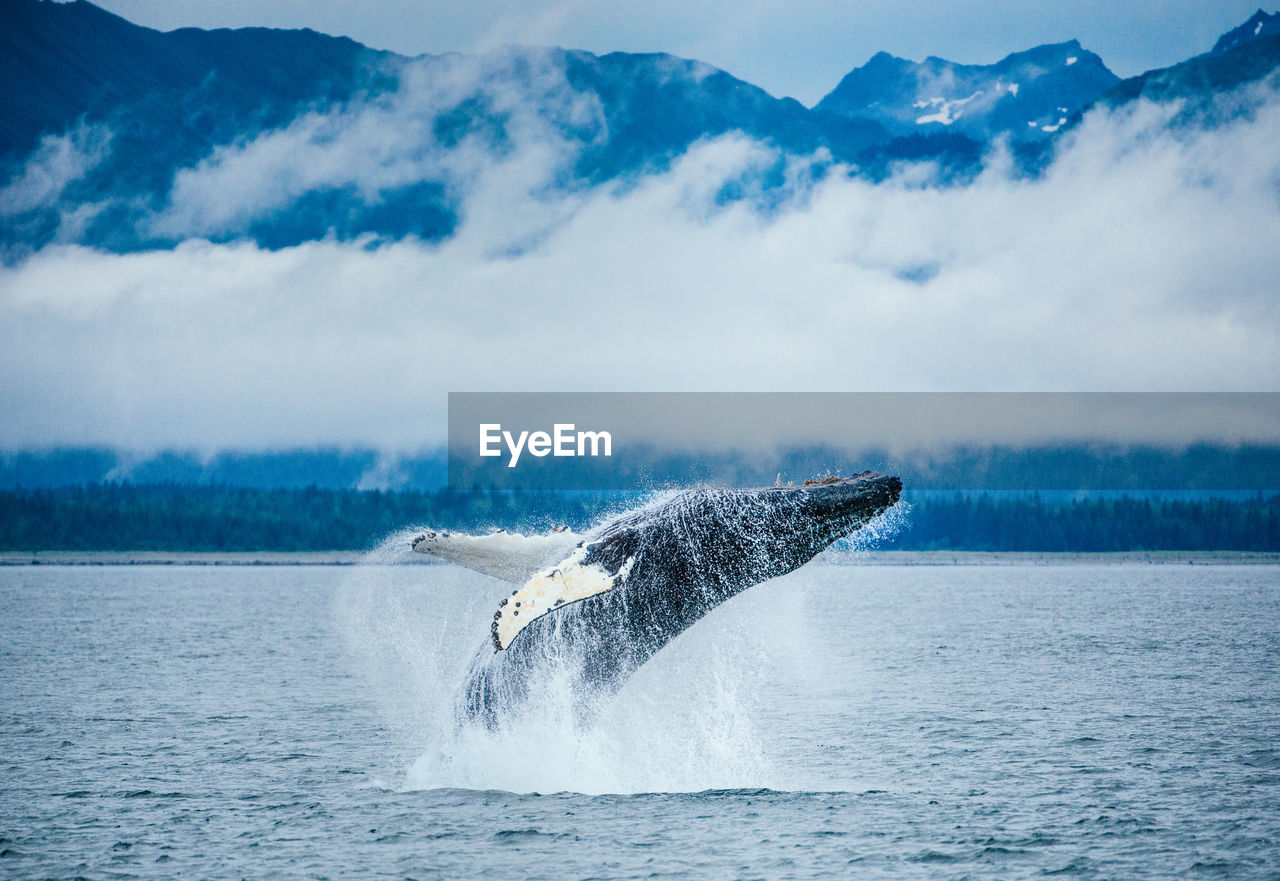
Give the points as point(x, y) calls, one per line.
point(378, 144)
point(1143, 259)
point(56, 162)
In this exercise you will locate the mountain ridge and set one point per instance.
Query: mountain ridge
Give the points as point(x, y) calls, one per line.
point(1197, 81)
point(1026, 94)
point(181, 100)
point(66, 60)
point(1260, 24)
point(128, 116)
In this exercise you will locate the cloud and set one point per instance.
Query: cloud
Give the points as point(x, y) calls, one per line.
point(389, 141)
point(540, 24)
point(56, 162)
point(1143, 259)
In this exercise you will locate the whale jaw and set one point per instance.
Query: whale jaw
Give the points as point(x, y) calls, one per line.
point(846, 504)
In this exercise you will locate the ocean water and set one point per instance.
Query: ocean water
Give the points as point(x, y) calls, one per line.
point(1115, 721)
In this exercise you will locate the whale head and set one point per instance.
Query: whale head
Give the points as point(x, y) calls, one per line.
point(840, 505)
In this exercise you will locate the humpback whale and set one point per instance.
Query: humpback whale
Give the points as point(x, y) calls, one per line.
point(622, 591)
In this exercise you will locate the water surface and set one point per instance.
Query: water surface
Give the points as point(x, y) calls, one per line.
point(947, 722)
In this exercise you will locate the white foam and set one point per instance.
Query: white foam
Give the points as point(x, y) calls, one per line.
point(684, 723)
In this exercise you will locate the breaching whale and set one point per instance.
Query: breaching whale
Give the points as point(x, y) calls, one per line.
point(624, 590)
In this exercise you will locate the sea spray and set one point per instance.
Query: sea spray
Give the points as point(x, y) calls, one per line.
point(881, 529)
point(670, 729)
point(409, 627)
point(685, 722)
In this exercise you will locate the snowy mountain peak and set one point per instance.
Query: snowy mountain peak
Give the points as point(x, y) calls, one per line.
point(1027, 94)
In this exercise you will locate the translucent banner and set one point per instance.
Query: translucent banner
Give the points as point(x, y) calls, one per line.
point(979, 441)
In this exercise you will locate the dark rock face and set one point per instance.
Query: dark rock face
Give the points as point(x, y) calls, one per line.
point(672, 564)
point(1200, 82)
point(1260, 24)
point(63, 61)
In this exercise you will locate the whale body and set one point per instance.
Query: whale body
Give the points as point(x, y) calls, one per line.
point(623, 591)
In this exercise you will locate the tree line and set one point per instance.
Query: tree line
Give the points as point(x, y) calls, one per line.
point(986, 523)
point(130, 517)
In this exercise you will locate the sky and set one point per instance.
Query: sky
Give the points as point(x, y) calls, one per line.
point(800, 50)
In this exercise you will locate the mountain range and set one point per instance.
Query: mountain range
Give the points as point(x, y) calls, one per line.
point(112, 129)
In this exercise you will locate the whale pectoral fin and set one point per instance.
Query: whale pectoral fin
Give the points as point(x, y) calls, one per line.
point(506, 555)
point(553, 588)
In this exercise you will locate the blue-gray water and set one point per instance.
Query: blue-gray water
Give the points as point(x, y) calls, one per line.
point(877, 722)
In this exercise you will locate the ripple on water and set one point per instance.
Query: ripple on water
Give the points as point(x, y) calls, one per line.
point(978, 722)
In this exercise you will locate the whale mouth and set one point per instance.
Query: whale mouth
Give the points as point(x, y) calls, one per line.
point(851, 501)
point(866, 480)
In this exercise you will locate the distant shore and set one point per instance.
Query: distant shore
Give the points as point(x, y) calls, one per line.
point(1046, 558)
point(869, 558)
point(182, 558)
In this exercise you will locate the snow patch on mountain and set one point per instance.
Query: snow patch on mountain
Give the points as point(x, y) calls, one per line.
point(946, 111)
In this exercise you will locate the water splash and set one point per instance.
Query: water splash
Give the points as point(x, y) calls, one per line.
point(880, 530)
point(676, 730)
point(686, 721)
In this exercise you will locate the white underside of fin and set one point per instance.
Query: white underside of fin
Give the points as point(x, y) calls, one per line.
point(551, 588)
point(506, 555)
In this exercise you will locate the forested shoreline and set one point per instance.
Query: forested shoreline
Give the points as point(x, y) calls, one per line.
point(129, 517)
